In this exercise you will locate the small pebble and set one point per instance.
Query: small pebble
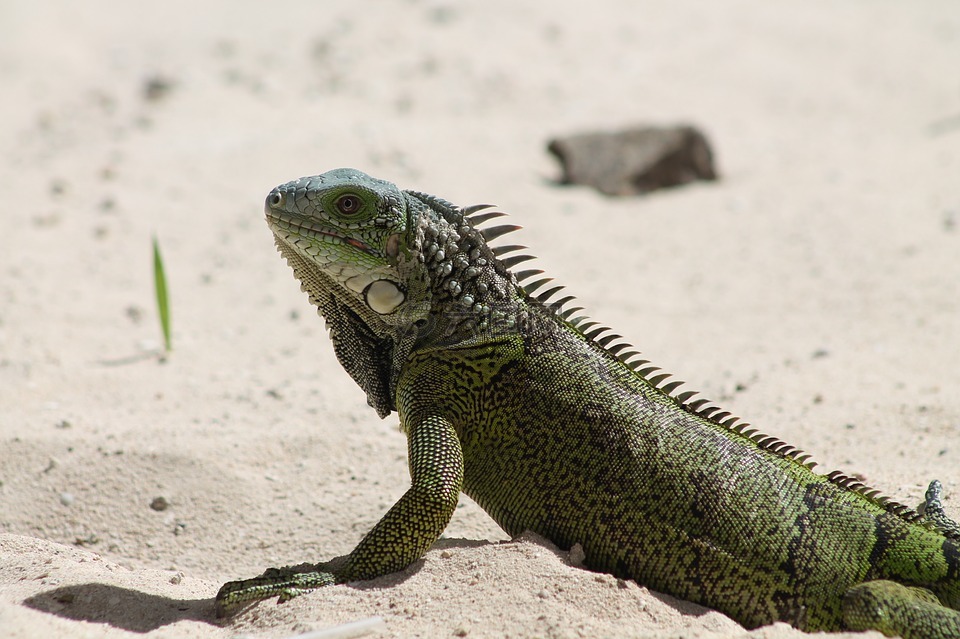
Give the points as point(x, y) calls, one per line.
point(159, 504)
point(67, 499)
point(577, 556)
point(156, 88)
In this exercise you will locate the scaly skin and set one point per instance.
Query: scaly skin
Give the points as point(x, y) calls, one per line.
point(550, 426)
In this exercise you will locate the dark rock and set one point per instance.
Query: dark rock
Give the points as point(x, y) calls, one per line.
point(635, 161)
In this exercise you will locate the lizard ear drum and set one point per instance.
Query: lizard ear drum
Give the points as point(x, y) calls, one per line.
point(383, 296)
point(393, 245)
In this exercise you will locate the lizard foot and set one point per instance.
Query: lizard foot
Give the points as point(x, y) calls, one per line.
point(284, 583)
point(898, 610)
point(933, 511)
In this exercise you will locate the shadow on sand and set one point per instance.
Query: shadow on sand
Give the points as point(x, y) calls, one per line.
point(120, 607)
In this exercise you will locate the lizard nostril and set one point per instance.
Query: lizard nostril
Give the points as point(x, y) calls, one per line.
point(275, 199)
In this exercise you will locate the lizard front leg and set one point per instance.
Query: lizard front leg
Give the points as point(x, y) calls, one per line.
point(399, 538)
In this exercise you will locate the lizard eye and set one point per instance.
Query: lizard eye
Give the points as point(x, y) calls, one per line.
point(348, 204)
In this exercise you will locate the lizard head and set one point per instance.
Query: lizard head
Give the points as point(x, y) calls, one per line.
point(350, 226)
point(347, 237)
point(388, 270)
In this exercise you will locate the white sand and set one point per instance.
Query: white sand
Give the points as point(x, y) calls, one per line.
point(815, 289)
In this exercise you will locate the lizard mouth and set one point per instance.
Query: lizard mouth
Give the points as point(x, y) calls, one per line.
point(289, 225)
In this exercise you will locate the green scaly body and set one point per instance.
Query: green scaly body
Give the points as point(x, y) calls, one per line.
point(550, 424)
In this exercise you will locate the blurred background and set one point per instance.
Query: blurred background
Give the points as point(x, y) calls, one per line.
point(814, 288)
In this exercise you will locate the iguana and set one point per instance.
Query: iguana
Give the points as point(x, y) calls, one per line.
point(552, 423)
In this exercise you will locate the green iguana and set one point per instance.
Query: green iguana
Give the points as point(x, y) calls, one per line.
point(552, 424)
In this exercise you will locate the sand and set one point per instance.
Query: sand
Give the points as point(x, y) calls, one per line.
point(813, 290)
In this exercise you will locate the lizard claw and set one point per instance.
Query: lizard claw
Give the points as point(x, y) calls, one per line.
point(283, 583)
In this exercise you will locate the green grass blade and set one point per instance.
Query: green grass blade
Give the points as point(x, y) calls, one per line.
point(163, 302)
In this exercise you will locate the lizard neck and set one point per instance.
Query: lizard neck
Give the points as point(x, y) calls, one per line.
point(471, 292)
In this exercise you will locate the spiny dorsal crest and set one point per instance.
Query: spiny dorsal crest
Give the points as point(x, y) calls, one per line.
point(531, 281)
point(539, 290)
point(447, 210)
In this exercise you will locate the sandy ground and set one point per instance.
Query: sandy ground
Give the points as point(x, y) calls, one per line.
point(814, 290)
